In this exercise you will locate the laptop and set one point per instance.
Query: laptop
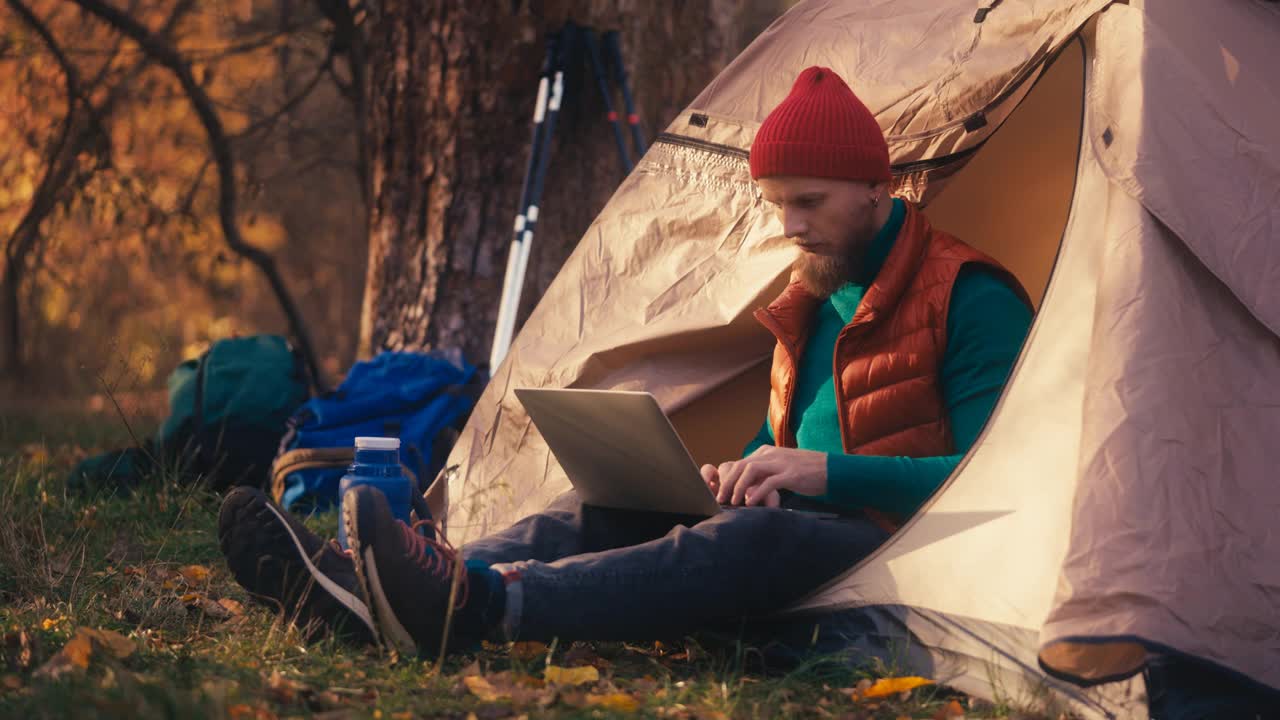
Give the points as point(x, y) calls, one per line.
point(619, 450)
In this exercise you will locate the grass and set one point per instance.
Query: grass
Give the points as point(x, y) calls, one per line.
point(146, 566)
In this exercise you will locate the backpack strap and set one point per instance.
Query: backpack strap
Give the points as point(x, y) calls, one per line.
point(308, 458)
point(304, 459)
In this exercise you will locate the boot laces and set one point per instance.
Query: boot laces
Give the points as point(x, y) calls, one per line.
point(439, 558)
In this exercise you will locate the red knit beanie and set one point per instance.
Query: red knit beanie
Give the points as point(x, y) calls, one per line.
point(821, 130)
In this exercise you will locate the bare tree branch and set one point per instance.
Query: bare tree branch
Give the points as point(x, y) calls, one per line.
point(204, 54)
point(163, 52)
point(288, 106)
point(349, 40)
point(64, 173)
point(27, 233)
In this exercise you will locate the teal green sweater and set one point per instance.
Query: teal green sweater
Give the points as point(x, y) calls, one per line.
point(986, 324)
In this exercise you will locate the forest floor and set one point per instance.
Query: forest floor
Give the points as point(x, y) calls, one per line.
point(118, 606)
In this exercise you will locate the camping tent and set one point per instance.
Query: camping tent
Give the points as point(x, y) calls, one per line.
point(1124, 160)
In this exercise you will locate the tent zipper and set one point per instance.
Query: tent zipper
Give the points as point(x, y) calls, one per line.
point(936, 162)
point(717, 148)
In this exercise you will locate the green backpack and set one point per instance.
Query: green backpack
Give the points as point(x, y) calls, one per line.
point(227, 413)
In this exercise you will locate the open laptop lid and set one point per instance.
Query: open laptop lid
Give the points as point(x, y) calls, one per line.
point(619, 450)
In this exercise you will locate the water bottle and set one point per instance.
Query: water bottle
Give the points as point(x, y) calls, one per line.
point(377, 463)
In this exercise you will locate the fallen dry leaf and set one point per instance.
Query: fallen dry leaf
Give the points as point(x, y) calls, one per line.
point(201, 602)
point(482, 688)
point(530, 650)
point(11, 682)
point(78, 651)
point(194, 573)
point(951, 711)
point(113, 642)
point(509, 687)
point(886, 687)
point(571, 676)
point(617, 702)
point(232, 606)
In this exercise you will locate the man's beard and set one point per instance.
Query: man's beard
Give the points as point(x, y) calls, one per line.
point(823, 275)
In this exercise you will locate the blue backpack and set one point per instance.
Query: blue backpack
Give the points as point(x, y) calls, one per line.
point(421, 398)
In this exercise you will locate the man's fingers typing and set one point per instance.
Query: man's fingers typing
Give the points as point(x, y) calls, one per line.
point(711, 476)
point(752, 475)
point(728, 472)
point(760, 494)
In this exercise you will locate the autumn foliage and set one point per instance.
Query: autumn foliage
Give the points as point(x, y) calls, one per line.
point(125, 269)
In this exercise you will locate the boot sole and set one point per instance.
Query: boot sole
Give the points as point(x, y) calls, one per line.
point(391, 631)
point(348, 601)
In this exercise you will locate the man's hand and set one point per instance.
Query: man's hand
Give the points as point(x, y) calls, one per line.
point(757, 478)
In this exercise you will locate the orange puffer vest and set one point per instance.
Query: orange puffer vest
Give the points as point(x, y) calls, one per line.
point(888, 358)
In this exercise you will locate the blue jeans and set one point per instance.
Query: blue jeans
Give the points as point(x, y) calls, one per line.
point(1185, 689)
point(591, 573)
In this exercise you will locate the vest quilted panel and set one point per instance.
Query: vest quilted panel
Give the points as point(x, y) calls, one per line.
point(889, 357)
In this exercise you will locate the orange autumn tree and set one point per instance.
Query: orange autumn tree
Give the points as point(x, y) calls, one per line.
point(115, 264)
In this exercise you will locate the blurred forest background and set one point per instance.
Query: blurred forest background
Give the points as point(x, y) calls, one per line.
point(157, 155)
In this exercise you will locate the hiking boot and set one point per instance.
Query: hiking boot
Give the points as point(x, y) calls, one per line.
point(407, 578)
point(287, 567)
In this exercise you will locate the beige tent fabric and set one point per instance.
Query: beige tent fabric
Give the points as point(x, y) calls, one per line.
point(1174, 540)
point(1191, 94)
point(925, 68)
point(987, 549)
point(1119, 490)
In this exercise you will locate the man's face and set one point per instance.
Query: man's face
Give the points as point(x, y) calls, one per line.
point(832, 222)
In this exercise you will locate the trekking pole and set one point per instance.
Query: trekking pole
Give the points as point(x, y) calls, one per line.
point(546, 111)
point(620, 74)
point(597, 68)
point(508, 304)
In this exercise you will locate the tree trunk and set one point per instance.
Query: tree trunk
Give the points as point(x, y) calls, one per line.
point(452, 86)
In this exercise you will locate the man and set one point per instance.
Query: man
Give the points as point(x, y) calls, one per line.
point(894, 341)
